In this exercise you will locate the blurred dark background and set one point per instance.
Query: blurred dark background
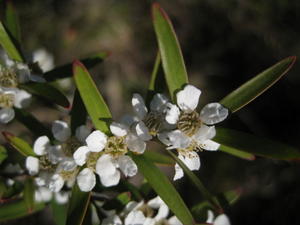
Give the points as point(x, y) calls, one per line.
point(224, 43)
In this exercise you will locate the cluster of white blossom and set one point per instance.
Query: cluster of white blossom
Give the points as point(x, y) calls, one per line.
point(94, 153)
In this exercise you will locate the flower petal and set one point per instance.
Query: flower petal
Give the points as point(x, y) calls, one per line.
point(222, 220)
point(205, 133)
point(139, 106)
point(158, 103)
point(22, 98)
point(82, 132)
point(6, 115)
point(188, 98)
point(142, 131)
point(192, 161)
point(96, 141)
point(135, 144)
point(105, 165)
point(80, 155)
point(112, 220)
point(213, 113)
point(86, 180)
point(210, 145)
point(155, 203)
point(134, 218)
point(178, 172)
point(128, 120)
point(32, 165)
point(56, 183)
point(55, 153)
point(178, 139)
point(118, 129)
point(61, 197)
point(127, 166)
point(67, 164)
point(42, 194)
point(210, 217)
point(40, 145)
point(110, 180)
point(172, 113)
point(162, 213)
point(61, 130)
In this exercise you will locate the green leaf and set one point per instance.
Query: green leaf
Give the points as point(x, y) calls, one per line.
point(78, 112)
point(33, 124)
point(7, 42)
point(17, 209)
point(197, 182)
point(59, 212)
point(3, 154)
point(8, 191)
point(19, 144)
point(236, 152)
point(78, 206)
point(158, 158)
point(29, 193)
point(163, 188)
point(66, 70)
point(92, 99)
point(257, 85)
point(171, 56)
point(12, 21)
point(256, 145)
point(47, 92)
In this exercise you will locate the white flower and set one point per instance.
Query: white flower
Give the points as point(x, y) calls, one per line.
point(194, 131)
point(44, 194)
point(44, 59)
point(221, 219)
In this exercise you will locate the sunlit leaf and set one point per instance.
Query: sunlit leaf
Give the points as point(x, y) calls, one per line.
point(33, 124)
point(7, 42)
point(198, 183)
point(17, 209)
point(257, 85)
point(78, 112)
point(92, 99)
point(66, 70)
point(19, 144)
point(171, 56)
point(256, 145)
point(47, 92)
point(12, 21)
point(78, 206)
point(3, 154)
point(163, 188)
point(29, 194)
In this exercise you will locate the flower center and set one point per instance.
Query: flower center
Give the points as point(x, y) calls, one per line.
point(6, 100)
point(69, 174)
point(70, 146)
point(116, 146)
point(92, 159)
point(45, 164)
point(153, 121)
point(189, 123)
point(8, 78)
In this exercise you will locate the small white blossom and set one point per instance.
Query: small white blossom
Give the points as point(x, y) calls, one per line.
point(193, 131)
point(221, 219)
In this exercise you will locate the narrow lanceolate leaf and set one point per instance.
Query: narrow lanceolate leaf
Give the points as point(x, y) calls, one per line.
point(29, 194)
point(33, 124)
point(171, 56)
point(17, 209)
point(78, 205)
point(236, 152)
point(19, 144)
point(256, 145)
point(48, 92)
point(92, 99)
point(158, 158)
point(257, 85)
point(10, 46)
point(66, 70)
point(3, 154)
point(78, 112)
point(163, 188)
point(198, 183)
point(59, 212)
point(12, 21)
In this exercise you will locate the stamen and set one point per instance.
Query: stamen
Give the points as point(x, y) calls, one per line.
point(153, 121)
point(45, 164)
point(189, 123)
point(70, 146)
point(68, 175)
point(116, 146)
point(92, 159)
point(6, 100)
point(8, 78)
